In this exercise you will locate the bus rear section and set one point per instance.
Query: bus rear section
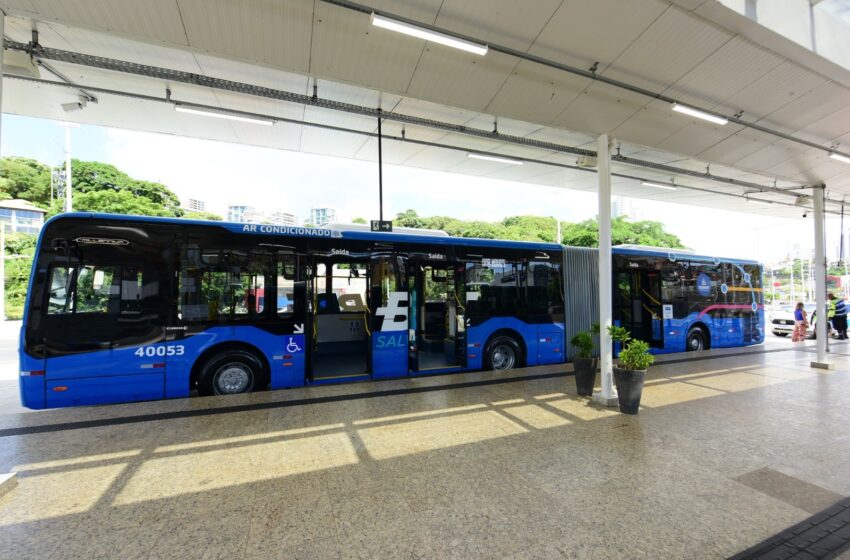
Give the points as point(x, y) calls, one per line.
point(674, 300)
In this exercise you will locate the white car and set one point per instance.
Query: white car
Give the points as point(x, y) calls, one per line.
point(782, 320)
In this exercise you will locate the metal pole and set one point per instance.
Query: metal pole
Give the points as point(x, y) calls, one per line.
point(380, 174)
point(69, 203)
point(841, 241)
point(820, 279)
point(793, 291)
point(608, 395)
point(772, 290)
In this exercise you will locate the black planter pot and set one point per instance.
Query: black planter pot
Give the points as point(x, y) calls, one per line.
point(629, 389)
point(585, 370)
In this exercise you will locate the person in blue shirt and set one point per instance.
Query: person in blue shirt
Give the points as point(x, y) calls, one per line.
point(801, 323)
point(839, 320)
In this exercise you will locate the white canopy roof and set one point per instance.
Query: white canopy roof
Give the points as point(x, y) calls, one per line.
point(692, 50)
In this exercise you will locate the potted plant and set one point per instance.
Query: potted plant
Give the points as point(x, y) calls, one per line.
point(584, 363)
point(630, 372)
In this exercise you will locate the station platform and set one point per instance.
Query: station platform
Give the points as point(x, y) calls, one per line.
point(731, 451)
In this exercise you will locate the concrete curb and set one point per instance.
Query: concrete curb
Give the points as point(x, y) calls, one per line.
point(7, 482)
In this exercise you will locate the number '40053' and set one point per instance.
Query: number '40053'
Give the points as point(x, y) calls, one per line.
point(151, 351)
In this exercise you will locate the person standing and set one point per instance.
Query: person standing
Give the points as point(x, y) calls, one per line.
point(840, 319)
point(830, 312)
point(801, 323)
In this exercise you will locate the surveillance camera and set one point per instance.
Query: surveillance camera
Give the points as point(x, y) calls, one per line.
point(805, 214)
point(69, 107)
point(77, 105)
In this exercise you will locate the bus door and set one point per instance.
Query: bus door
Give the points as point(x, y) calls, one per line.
point(438, 316)
point(283, 298)
point(338, 317)
point(389, 305)
point(638, 302)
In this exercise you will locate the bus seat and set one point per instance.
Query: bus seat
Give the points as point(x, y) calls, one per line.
point(327, 304)
point(351, 303)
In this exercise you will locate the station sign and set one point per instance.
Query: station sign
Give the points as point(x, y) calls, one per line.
point(382, 225)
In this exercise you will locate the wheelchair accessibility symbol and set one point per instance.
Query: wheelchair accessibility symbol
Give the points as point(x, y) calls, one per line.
point(292, 347)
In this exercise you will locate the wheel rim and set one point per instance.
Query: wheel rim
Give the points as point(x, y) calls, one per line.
point(695, 343)
point(503, 357)
point(233, 378)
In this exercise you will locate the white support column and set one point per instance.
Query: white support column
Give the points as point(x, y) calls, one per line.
point(7, 480)
point(2, 225)
point(608, 395)
point(820, 279)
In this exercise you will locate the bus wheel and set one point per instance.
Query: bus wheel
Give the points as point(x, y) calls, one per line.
point(229, 374)
point(696, 340)
point(502, 353)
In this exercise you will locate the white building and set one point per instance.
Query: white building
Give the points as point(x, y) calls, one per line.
point(621, 206)
point(281, 218)
point(242, 214)
point(196, 205)
point(19, 216)
point(320, 217)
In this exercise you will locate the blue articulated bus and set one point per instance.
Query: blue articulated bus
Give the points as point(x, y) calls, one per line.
point(124, 308)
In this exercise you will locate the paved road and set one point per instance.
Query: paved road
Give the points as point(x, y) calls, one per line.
point(9, 350)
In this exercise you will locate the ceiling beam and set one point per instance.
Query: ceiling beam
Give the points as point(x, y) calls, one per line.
point(167, 99)
point(589, 74)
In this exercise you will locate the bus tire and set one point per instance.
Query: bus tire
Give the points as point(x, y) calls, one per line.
point(502, 353)
point(697, 340)
point(230, 373)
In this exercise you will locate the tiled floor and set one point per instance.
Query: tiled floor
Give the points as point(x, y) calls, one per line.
point(521, 469)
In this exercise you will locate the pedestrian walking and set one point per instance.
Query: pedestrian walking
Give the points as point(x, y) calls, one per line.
point(801, 323)
point(840, 319)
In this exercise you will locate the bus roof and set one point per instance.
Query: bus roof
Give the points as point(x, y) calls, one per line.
point(294, 231)
point(666, 253)
point(326, 233)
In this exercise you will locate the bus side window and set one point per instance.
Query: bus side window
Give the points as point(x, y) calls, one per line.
point(285, 285)
point(98, 290)
point(60, 298)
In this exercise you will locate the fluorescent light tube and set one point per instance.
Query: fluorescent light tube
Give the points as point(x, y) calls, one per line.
point(759, 202)
point(678, 107)
point(509, 161)
point(839, 157)
point(658, 185)
point(428, 35)
point(221, 115)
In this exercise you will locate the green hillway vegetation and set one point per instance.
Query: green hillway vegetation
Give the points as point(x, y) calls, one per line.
point(100, 187)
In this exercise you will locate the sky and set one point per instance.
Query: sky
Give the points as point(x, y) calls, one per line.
point(223, 174)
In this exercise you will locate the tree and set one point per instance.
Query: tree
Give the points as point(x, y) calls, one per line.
point(26, 179)
point(114, 202)
point(531, 228)
point(100, 187)
point(192, 215)
point(358, 221)
point(20, 248)
point(586, 234)
point(409, 218)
